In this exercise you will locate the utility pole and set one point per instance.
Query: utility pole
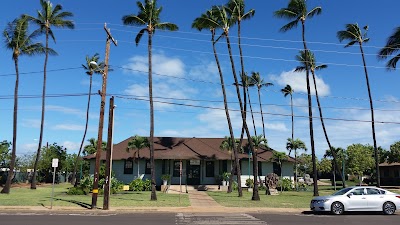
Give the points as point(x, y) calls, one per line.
point(107, 184)
point(95, 190)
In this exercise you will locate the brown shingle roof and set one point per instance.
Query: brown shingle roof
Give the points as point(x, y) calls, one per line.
point(181, 148)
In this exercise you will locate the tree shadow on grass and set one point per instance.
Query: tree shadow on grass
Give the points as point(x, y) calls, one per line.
point(81, 204)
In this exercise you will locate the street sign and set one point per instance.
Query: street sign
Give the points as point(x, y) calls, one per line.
point(54, 163)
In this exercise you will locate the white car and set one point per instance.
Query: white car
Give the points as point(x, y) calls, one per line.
point(357, 199)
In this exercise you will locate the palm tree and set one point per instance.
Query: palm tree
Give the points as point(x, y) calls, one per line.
point(89, 71)
point(279, 157)
point(229, 146)
point(47, 17)
point(91, 148)
point(289, 91)
point(354, 35)
point(257, 142)
point(138, 142)
point(237, 7)
point(149, 16)
point(294, 145)
point(313, 67)
point(340, 157)
point(18, 40)
point(297, 12)
point(223, 15)
point(259, 83)
point(209, 21)
point(392, 46)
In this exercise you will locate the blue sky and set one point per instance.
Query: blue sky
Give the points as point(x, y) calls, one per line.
point(185, 69)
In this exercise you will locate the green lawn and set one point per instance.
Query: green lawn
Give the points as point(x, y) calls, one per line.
point(23, 196)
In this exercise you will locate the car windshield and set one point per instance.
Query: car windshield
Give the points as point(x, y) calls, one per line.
point(342, 192)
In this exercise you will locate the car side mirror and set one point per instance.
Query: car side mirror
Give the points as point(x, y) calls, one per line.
point(349, 195)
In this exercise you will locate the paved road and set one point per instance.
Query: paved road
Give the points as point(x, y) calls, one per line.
point(14, 218)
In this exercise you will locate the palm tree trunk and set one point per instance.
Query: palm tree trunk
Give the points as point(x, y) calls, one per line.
point(152, 162)
point(251, 112)
point(314, 162)
point(228, 118)
point(244, 85)
point(7, 186)
point(33, 183)
point(378, 180)
point(262, 115)
point(324, 129)
point(255, 190)
point(74, 180)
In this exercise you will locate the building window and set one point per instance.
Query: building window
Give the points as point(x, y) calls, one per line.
point(148, 167)
point(386, 173)
point(259, 168)
point(176, 168)
point(209, 168)
point(128, 167)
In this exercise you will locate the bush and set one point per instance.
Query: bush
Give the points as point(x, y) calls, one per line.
point(136, 185)
point(165, 177)
point(225, 176)
point(250, 183)
point(147, 185)
point(285, 184)
point(76, 191)
point(235, 186)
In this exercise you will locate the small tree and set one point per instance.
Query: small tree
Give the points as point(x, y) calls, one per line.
point(137, 142)
point(360, 159)
point(294, 145)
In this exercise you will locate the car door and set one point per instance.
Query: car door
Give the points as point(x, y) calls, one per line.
point(357, 200)
point(375, 199)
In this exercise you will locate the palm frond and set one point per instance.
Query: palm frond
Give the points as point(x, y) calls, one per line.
point(290, 25)
point(133, 20)
point(166, 26)
point(392, 45)
point(351, 43)
point(139, 35)
point(300, 69)
point(314, 11)
point(391, 64)
point(320, 67)
point(285, 13)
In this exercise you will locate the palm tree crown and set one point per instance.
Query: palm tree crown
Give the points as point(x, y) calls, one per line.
point(392, 46)
point(297, 12)
point(148, 15)
point(50, 16)
point(90, 70)
point(353, 34)
point(311, 62)
point(287, 90)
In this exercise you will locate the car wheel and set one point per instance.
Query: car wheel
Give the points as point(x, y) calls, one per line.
point(389, 208)
point(337, 208)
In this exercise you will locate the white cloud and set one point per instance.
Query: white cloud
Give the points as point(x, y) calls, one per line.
point(71, 146)
point(205, 71)
point(32, 123)
point(161, 64)
point(298, 82)
point(71, 127)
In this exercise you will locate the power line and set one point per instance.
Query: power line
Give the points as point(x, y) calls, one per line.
point(272, 114)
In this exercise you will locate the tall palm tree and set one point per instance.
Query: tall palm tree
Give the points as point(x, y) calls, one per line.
point(296, 12)
point(149, 16)
point(287, 90)
point(237, 7)
point(354, 35)
point(20, 42)
point(257, 142)
point(138, 142)
point(209, 21)
point(313, 67)
point(294, 145)
point(226, 21)
point(259, 83)
point(89, 70)
point(392, 46)
point(47, 17)
point(246, 82)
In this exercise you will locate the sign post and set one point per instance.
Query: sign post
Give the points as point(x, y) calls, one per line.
point(54, 164)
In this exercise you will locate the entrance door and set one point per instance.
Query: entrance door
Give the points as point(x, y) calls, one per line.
point(193, 172)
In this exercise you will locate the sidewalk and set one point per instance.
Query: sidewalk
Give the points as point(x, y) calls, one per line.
point(200, 202)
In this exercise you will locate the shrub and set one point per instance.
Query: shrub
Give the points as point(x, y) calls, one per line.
point(235, 186)
point(136, 185)
point(285, 184)
point(147, 185)
point(225, 176)
point(250, 183)
point(76, 191)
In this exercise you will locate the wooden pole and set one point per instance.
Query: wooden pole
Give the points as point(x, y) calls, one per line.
point(107, 184)
point(95, 190)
